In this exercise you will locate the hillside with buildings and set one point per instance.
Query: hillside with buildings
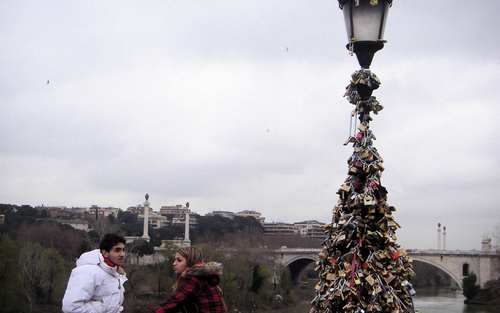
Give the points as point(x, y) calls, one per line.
point(48, 240)
point(167, 222)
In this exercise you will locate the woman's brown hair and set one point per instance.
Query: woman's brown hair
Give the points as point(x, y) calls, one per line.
point(193, 256)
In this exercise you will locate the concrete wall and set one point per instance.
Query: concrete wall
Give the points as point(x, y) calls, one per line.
point(146, 259)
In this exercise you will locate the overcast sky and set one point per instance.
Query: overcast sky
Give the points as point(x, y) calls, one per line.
point(238, 105)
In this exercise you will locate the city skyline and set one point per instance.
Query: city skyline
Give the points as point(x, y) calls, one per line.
point(439, 244)
point(239, 105)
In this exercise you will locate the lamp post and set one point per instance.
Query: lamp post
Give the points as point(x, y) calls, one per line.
point(361, 267)
point(365, 25)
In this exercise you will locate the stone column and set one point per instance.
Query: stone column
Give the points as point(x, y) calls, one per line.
point(187, 241)
point(444, 237)
point(439, 237)
point(145, 234)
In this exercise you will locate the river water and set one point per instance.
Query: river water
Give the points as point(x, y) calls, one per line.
point(447, 301)
point(426, 301)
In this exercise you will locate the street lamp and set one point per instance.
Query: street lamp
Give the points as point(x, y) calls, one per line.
point(365, 25)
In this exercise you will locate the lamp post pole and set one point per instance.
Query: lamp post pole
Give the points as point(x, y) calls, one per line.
point(361, 267)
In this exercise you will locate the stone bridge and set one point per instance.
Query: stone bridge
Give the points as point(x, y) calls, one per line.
point(455, 263)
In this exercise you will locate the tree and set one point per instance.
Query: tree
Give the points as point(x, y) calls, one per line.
point(129, 224)
point(104, 225)
point(54, 274)
point(17, 215)
point(42, 273)
point(30, 272)
point(259, 275)
point(11, 299)
point(67, 241)
point(162, 270)
point(216, 228)
point(140, 248)
point(470, 288)
point(166, 233)
point(126, 217)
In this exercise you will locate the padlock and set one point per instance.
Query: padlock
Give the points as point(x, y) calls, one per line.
point(380, 166)
point(377, 289)
point(370, 280)
point(369, 200)
point(353, 170)
point(365, 154)
point(363, 127)
point(389, 278)
point(345, 187)
point(357, 281)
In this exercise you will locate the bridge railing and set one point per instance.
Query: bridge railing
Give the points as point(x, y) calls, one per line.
point(410, 251)
point(453, 252)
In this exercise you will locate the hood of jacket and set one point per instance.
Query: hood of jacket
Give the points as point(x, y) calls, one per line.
point(95, 257)
point(210, 272)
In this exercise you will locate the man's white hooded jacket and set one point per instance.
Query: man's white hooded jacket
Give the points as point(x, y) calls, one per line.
point(94, 287)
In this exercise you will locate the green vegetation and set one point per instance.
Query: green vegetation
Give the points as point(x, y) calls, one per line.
point(37, 255)
point(489, 295)
point(470, 288)
point(36, 258)
point(31, 275)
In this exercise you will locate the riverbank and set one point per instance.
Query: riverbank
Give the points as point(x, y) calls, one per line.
point(489, 295)
point(444, 300)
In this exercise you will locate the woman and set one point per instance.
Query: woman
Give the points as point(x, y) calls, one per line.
point(197, 287)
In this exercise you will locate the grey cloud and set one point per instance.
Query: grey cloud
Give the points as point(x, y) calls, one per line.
point(202, 102)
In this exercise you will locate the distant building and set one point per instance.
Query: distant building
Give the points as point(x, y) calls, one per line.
point(2, 219)
point(138, 210)
point(103, 211)
point(310, 228)
point(155, 220)
point(248, 213)
point(176, 214)
point(78, 210)
point(174, 210)
point(55, 212)
point(76, 224)
point(193, 220)
point(226, 214)
point(279, 229)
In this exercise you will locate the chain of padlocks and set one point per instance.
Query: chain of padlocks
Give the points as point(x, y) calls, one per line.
point(361, 267)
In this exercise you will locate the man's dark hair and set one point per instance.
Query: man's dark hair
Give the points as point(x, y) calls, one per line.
point(109, 241)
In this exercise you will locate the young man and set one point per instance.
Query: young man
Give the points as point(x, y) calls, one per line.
point(96, 283)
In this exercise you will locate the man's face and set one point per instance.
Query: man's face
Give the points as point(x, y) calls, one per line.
point(116, 254)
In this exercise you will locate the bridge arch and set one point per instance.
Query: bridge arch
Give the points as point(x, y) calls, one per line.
point(297, 264)
point(453, 277)
point(452, 264)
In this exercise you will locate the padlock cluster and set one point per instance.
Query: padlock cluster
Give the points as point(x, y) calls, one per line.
point(361, 267)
